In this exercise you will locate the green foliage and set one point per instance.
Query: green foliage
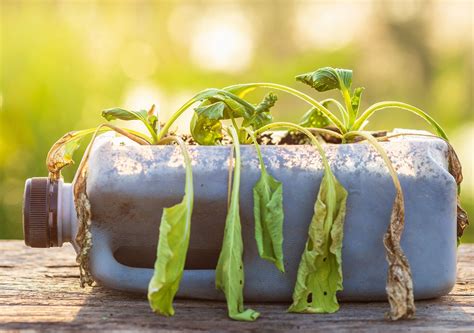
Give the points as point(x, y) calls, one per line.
point(319, 275)
point(226, 105)
point(206, 131)
point(355, 99)
point(213, 111)
point(148, 118)
point(320, 271)
point(314, 118)
point(327, 78)
point(230, 270)
point(261, 116)
point(268, 214)
point(175, 229)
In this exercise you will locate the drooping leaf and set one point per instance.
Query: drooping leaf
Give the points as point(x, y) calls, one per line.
point(355, 99)
point(314, 118)
point(269, 216)
point(206, 131)
point(171, 255)
point(455, 169)
point(399, 280)
point(61, 153)
point(175, 229)
point(320, 270)
point(229, 270)
point(327, 78)
point(212, 111)
point(268, 213)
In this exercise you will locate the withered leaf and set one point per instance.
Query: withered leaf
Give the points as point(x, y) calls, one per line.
point(455, 169)
point(399, 280)
point(60, 154)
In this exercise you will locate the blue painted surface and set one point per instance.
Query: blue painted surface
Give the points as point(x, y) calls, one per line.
point(129, 185)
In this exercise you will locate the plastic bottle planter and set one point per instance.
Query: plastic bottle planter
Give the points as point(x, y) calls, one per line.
point(128, 186)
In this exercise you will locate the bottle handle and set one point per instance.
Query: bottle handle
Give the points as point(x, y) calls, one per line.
point(195, 283)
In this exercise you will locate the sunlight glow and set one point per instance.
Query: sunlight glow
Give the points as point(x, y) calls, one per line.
point(222, 42)
point(138, 60)
point(329, 25)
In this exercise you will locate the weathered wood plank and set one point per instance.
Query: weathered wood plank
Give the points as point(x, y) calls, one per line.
point(39, 290)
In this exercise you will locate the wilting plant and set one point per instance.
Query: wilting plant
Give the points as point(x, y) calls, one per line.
point(319, 275)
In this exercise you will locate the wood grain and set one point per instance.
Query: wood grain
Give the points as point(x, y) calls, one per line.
point(39, 290)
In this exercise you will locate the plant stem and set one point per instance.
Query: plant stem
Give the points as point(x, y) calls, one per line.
point(348, 102)
point(298, 94)
point(310, 135)
point(391, 104)
point(236, 177)
point(234, 123)
point(257, 147)
point(151, 130)
point(315, 129)
point(140, 135)
point(175, 116)
point(131, 136)
point(187, 162)
point(382, 153)
point(342, 110)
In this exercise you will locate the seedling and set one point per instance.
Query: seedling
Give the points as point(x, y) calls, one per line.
point(319, 275)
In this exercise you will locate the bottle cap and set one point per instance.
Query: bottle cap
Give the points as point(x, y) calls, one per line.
point(40, 204)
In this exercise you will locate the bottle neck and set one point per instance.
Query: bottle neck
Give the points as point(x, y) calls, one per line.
point(67, 218)
point(49, 215)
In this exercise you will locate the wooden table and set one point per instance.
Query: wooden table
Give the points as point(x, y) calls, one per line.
point(39, 290)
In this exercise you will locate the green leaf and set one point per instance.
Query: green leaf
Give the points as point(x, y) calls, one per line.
point(152, 118)
point(229, 270)
point(327, 78)
point(320, 270)
point(206, 127)
point(268, 213)
point(175, 229)
point(314, 118)
point(206, 131)
point(235, 109)
point(261, 115)
point(212, 111)
point(206, 93)
point(149, 120)
point(355, 99)
point(122, 114)
point(268, 102)
point(224, 105)
point(269, 216)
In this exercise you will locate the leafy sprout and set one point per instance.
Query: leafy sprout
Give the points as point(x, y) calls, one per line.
point(319, 275)
point(329, 78)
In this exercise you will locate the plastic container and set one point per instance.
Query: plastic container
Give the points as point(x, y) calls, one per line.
point(129, 185)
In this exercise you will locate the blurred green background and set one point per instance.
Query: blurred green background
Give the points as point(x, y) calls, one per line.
point(62, 62)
